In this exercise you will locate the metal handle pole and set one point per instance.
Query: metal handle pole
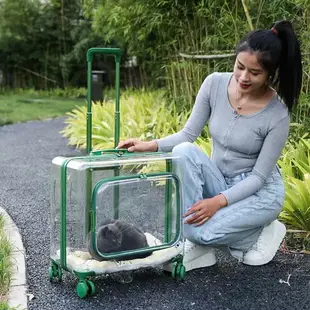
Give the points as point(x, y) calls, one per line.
point(89, 57)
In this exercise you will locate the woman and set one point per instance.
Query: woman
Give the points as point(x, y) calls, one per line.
point(232, 200)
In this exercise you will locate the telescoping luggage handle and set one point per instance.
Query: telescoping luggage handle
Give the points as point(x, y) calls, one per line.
point(117, 55)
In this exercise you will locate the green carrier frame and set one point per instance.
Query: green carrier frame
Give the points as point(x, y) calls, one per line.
point(85, 286)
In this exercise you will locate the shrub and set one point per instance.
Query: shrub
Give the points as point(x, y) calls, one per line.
point(144, 115)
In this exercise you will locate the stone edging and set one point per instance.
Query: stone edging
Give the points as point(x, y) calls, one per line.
point(17, 296)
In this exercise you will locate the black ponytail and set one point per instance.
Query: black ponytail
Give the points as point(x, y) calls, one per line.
point(278, 52)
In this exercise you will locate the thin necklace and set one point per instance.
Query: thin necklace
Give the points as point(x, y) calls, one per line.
point(239, 106)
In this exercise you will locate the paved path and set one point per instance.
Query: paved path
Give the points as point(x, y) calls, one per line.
point(27, 151)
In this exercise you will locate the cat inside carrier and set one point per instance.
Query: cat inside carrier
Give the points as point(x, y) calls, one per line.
point(114, 211)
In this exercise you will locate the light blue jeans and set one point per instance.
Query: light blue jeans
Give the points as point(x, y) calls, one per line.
point(235, 227)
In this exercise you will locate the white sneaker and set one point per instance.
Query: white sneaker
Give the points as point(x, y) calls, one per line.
point(264, 250)
point(195, 256)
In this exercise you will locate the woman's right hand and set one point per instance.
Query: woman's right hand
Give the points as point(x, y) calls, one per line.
point(136, 145)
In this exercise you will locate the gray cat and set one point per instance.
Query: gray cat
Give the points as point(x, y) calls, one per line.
point(116, 236)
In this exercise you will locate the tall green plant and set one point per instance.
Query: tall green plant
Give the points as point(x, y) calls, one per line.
point(145, 115)
point(295, 159)
point(157, 31)
point(296, 212)
point(215, 28)
point(295, 166)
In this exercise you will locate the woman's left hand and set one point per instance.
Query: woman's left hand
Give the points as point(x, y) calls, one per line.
point(201, 211)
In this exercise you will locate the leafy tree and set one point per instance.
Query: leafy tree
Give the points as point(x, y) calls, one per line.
point(158, 30)
point(43, 43)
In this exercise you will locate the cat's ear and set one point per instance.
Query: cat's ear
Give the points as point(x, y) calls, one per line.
point(104, 231)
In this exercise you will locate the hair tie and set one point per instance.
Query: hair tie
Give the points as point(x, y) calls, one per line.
point(274, 30)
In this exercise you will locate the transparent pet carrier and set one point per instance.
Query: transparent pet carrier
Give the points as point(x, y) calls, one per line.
point(114, 211)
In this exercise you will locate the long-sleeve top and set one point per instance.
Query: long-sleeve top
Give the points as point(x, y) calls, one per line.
point(240, 143)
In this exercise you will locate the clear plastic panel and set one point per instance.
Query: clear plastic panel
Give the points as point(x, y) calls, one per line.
point(75, 211)
point(55, 207)
point(130, 162)
point(145, 196)
point(143, 206)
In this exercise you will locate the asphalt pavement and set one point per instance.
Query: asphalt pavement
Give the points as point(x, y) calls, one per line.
point(27, 150)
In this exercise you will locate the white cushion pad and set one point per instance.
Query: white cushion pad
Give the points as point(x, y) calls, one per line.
point(82, 261)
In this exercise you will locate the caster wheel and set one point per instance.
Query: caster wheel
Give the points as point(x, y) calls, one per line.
point(51, 273)
point(59, 274)
point(54, 271)
point(174, 271)
point(91, 287)
point(181, 272)
point(82, 289)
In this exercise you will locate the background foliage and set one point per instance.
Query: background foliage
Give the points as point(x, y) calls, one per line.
point(43, 46)
point(43, 43)
point(157, 31)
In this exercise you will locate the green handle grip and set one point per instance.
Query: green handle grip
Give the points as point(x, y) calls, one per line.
point(110, 151)
point(103, 50)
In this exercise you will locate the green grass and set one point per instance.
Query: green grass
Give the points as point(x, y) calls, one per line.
point(4, 306)
point(22, 108)
point(5, 264)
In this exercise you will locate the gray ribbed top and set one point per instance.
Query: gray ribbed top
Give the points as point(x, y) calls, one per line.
point(241, 143)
